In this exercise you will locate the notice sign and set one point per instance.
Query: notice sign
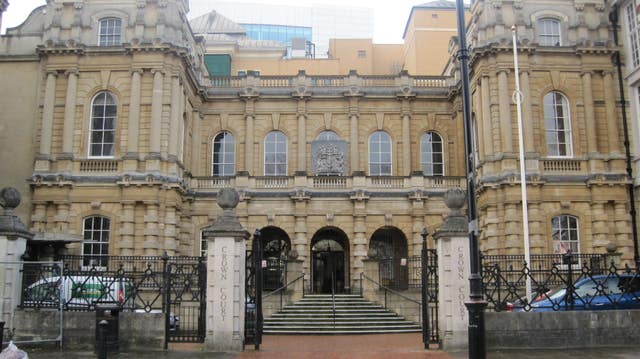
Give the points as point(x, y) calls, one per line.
point(403, 262)
point(264, 263)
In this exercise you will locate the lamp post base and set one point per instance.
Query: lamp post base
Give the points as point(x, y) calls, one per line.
point(477, 339)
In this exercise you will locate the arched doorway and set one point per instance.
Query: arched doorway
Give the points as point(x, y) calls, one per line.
point(275, 248)
point(330, 261)
point(390, 246)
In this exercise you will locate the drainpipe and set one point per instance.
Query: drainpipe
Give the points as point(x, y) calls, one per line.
point(613, 18)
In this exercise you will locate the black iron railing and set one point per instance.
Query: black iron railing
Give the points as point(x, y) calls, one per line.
point(405, 273)
point(559, 282)
point(281, 291)
point(274, 275)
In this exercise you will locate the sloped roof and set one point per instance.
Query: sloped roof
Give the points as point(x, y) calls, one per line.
point(440, 4)
point(215, 23)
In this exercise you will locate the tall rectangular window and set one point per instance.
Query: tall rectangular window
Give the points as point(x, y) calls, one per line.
point(632, 32)
point(109, 32)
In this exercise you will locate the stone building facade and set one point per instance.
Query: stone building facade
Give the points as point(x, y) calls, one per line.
point(129, 140)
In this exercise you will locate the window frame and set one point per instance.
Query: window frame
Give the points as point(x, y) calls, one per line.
point(560, 246)
point(103, 130)
point(542, 36)
point(327, 135)
point(566, 120)
point(281, 138)
point(91, 232)
point(432, 163)
point(223, 153)
point(107, 38)
point(380, 153)
point(632, 33)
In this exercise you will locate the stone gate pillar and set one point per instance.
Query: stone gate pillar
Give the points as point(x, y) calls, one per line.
point(226, 252)
point(452, 246)
point(13, 243)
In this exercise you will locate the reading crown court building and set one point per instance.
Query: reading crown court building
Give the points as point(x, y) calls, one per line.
point(121, 120)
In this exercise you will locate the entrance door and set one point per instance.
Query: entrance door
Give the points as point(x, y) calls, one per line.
point(328, 271)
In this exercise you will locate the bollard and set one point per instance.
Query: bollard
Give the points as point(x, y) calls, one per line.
point(102, 339)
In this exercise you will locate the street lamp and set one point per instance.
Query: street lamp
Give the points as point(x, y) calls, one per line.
point(425, 310)
point(476, 303)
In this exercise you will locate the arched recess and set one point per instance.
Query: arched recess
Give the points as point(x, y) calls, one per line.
point(330, 261)
point(275, 248)
point(390, 247)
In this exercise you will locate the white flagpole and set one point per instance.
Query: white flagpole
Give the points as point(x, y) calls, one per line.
point(523, 176)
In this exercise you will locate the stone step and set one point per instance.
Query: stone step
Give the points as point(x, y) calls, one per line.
point(337, 331)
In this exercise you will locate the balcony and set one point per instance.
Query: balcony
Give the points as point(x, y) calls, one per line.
point(345, 184)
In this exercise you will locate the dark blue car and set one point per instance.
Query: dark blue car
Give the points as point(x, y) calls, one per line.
point(599, 292)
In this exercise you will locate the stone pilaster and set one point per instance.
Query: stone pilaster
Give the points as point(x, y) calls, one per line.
point(151, 245)
point(69, 115)
point(170, 231)
point(155, 131)
point(452, 246)
point(302, 137)
point(44, 157)
point(13, 243)
point(622, 224)
point(226, 244)
point(612, 113)
point(589, 116)
point(599, 228)
point(417, 222)
point(406, 144)
point(360, 242)
point(354, 140)
point(300, 199)
point(132, 155)
point(487, 128)
point(127, 228)
point(506, 132)
point(248, 141)
point(61, 218)
point(174, 124)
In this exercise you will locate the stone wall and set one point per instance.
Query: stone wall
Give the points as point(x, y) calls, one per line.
point(137, 331)
point(578, 329)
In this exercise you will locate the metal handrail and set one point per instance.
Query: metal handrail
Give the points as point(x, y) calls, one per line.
point(333, 296)
point(362, 275)
point(281, 289)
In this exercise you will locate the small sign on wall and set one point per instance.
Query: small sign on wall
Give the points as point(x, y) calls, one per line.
point(403, 262)
point(264, 263)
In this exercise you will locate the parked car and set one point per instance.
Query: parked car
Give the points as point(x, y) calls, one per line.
point(599, 292)
point(79, 292)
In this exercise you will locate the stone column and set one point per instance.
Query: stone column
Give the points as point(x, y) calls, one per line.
point(527, 119)
point(589, 117)
point(302, 137)
point(300, 199)
point(42, 163)
point(196, 146)
point(170, 232)
point(599, 228)
point(406, 144)
point(248, 141)
point(131, 157)
point(487, 128)
point(360, 248)
point(622, 225)
point(61, 218)
point(612, 113)
point(174, 125)
point(452, 246)
point(354, 141)
point(155, 131)
point(226, 244)
point(505, 112)
point(69, 115)
point(13, 243)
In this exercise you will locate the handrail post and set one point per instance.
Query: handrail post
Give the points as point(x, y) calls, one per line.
point(569, 260)
point(424, 304)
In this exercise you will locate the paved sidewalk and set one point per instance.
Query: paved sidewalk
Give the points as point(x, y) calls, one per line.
point(405, 346)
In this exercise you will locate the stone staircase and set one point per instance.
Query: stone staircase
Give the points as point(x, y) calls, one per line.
point(314, 314)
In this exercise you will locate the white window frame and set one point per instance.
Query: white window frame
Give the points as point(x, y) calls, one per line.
point(565, 229)
point(203, 245)
point(95, 238)
point(279, 139)
point(110, 31)
point(549, 29)
point(555, 131)
point(633, 33)
point(424, 161)
point(380, 153)
point(103, 130)
point(227, 137)
point(327, 135)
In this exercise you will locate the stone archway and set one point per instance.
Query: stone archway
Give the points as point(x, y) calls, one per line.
point(275, 244)
point(330, 261)
point(390, 247)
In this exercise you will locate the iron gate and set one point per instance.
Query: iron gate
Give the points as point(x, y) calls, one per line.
point(185, 300)
point(430, 271)
point(253, 288)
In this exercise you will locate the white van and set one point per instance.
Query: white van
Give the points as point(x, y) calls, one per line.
point(79, 292)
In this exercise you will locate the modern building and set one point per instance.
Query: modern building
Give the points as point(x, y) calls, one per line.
point(119, 138)
point(316, 24)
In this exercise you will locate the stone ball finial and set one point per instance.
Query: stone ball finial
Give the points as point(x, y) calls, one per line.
point(612, 247)
point(9, 198)
point(228, 198)
point(455, 198)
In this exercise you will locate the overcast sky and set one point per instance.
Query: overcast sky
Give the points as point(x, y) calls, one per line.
point(390, 16)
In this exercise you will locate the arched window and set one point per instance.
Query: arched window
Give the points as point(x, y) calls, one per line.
point(549, 32)
point(223, 157)
point(103, 125)
point(327, 136)
point(565, 234)
point(380, 154)
point(431, 154)
point(109, 32)
point(95, 244)
point(275, 154)
point(557, 123)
